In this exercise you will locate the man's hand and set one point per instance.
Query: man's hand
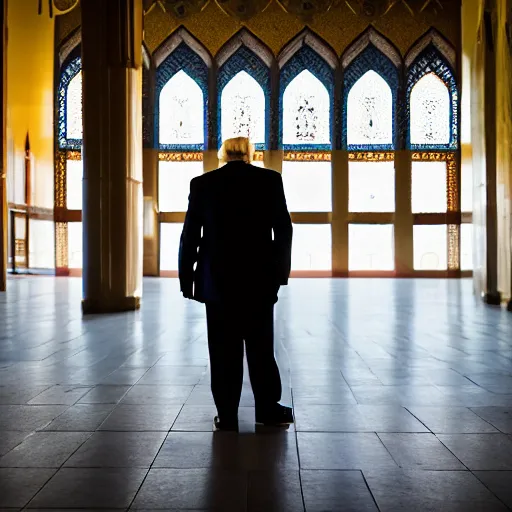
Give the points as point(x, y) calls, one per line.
point(187, 292)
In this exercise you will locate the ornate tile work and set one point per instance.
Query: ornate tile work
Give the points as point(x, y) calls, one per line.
point(370, 156)
point(60, 180)
point(69, 71)
point(453, 246)
point(302, 156)
point(452, 188)
point(306, 59)
point(245, 60)
point(183, 58)
point(369, 59)
point(182, 156)
point(61, 245)
point(147, 111)
point(431, 61)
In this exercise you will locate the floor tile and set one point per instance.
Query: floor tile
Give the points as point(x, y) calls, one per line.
point(157, 395)
point(420, 451)
point(9, 440)
point(18, 486)
point(451, 420)
point(60, 395)
point(336, 490)
point(141, 418)
point(199, 418)
point(71, 488)
point(105, 395)
point(124, 377)
point(14, 395)
point(225, 450)
point(323, 395)
point(485, 452)
point(499, 417)
point(174, 376)
point(194, 489)
point(81, 418)
point(342, 451)
point(118, 450)
point(453, 491)
point(274, 491)
point(44, 450)
point(499, 483)
point(356, 418)
point(28, 417)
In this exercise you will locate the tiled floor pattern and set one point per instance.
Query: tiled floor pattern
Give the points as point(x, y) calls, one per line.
point(402, 392)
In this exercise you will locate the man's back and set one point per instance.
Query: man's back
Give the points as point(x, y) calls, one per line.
point(246, 234)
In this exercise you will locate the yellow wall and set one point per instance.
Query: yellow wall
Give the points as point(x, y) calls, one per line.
point(30, 61)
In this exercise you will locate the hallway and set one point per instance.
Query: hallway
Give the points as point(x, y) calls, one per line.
point(402, 392)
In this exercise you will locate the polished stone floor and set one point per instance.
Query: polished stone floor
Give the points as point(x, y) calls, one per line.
point(402, 392)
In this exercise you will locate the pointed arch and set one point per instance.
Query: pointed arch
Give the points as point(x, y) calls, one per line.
point(432, 38)
point(432, 59)
point(248, 40)
point(184, 59)
point(70, 115)
point(371, 37)
point(70, 44)
point(370, 53)
point(181, 36)
point(246, 61)
point(307, 57)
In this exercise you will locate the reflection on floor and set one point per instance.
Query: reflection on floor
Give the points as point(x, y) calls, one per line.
point(402, 392)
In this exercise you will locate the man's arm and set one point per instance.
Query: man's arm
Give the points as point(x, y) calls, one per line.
point(189, 243)
point(283, 233)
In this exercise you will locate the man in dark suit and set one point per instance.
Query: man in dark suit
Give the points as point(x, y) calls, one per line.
point(238, 233)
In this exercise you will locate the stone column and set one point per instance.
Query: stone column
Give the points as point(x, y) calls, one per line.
point(3, 155)
point(492, 296)
point(112, 155)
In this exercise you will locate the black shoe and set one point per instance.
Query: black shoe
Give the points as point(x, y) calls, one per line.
point(278, 415)
point(228, 426)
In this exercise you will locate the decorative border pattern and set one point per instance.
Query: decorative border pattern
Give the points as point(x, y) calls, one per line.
point(306, 58)
point(302, 156)
point(369, 59)
point(67, 74)
point(370, 156)
point(434, 156)
point(167, 156)
point(61, 245)
point(60, 180)
point(246, 60)
point(183, 58)
point(453, 231)
point(452, 189)
point(432, 61)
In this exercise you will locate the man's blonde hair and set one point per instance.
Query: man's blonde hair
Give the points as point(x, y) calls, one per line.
point(238, 148)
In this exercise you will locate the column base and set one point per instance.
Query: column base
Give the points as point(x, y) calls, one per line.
point(101, 306)
point(493, 299)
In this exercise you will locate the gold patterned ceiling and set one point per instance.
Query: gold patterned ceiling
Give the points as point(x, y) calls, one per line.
point(276, 22)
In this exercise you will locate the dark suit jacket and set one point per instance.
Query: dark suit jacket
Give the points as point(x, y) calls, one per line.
point(238, 231)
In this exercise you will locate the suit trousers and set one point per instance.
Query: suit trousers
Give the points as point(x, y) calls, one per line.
point(229, 325)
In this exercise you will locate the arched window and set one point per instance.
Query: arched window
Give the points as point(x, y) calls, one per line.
point(306, 92)
point(430, 112)
point(243, 109)
point(306, 111)
point(370, 112)
point(432, 101)
point(370, 90)
point(74, 126)
point(181, 101)
point(244, 91)
point(70, 104)
point(181, 111)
